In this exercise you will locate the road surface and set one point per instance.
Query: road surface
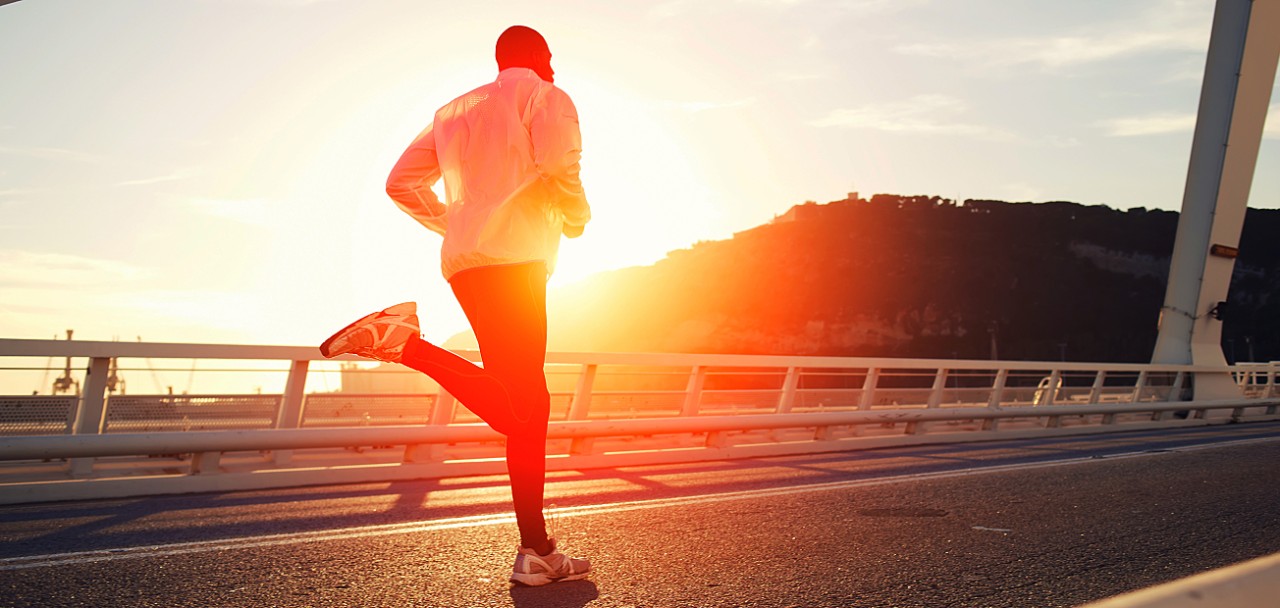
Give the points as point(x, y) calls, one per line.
point(1047, 522)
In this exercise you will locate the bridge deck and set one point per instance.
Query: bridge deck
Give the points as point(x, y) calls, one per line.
point(1050, 522)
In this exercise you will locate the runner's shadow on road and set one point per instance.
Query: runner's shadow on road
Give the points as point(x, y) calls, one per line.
point(569, 594)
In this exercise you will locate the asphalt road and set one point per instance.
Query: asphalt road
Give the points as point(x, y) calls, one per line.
point(1020, 523)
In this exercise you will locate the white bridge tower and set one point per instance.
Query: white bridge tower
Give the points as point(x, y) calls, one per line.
point(1239, 74)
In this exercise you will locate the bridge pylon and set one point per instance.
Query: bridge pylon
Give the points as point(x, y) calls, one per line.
point(1240, 71)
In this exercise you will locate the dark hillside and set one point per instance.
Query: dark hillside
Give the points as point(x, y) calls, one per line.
point(921, 277)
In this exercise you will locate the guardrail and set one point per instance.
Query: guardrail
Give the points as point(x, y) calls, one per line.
point(609, 409)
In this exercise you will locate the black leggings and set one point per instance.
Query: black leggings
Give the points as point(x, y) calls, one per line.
point(507, 308)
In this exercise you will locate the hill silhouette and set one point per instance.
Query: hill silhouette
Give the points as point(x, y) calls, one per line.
point(921, 276)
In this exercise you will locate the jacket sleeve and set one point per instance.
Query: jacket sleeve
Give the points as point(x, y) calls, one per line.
point(557, 147)
point(409, 184)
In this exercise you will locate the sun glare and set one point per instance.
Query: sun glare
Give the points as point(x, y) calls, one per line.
point(638, 180)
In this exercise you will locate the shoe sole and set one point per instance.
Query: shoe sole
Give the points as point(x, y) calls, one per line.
point(538, 580)
point(324, 348)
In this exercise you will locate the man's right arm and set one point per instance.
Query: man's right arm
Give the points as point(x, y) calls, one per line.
point(409, 184)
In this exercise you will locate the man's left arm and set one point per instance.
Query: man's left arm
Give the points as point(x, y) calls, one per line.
point(557, 146)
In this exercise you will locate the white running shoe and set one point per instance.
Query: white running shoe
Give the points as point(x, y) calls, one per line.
point(381, 335)
point(536, 570)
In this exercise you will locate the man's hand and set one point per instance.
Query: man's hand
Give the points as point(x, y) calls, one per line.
point(573, 232)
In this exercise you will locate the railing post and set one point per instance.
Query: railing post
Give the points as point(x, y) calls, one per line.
point(996, 398)
point(1050, 395)
point(91, 414)
point(1051, 390)
point(939, 385)
point(1139, 386)
point(289, 415)
point(205, 463)
point(1175, 394)
point(693, 394)
point(789, 386)
point(581, 406)
point(1099, 380)
point(441, 414)
point(717, 439)
point(442, 408)
point(787, 399)
point(1095, 395)
point(582, 396)
point(1244, 377)
point(692, 398)
point(825, 433)
point(1175, 391)
point(1272, 371)
point(935, 400)
point(869, 388)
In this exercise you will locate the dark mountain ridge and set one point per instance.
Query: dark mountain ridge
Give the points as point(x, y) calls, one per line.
point(922, 276)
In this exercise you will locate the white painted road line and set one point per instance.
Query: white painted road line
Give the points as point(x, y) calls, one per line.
point(986, 529)
point(475, 521)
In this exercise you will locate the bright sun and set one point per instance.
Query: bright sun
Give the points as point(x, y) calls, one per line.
point(638, 180)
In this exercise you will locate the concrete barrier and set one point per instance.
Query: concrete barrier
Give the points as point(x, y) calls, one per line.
point(1251, 584)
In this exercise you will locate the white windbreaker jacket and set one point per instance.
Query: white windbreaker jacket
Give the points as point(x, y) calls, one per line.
point(508, 152)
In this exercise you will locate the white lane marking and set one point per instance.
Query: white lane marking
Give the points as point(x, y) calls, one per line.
point(82, 557)
point(986, 529)
point(476, 521)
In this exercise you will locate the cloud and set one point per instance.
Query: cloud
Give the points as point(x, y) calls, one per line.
point(175, 176)
point(703, 106)
point(1171, 26)
point(102, 311)
point(47, 153)
point(25, 269)
point(1188, 70)
point(1170, 122)
point(8, 192)
point(223, 310)
point(42, 292)
point(1060, 51)
point(1059, 141)
point(1154, 124)
point(927, 114)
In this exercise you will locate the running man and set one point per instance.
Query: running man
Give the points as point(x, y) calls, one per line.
point(508, 153)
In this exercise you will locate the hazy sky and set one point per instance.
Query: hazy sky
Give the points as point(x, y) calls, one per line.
point(212, 170)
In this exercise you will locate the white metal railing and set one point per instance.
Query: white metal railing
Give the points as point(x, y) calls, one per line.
point(653, 407)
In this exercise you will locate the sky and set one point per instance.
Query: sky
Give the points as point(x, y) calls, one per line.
point(213, 170)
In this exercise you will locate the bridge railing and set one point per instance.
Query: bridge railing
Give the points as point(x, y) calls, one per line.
point(608, 409)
